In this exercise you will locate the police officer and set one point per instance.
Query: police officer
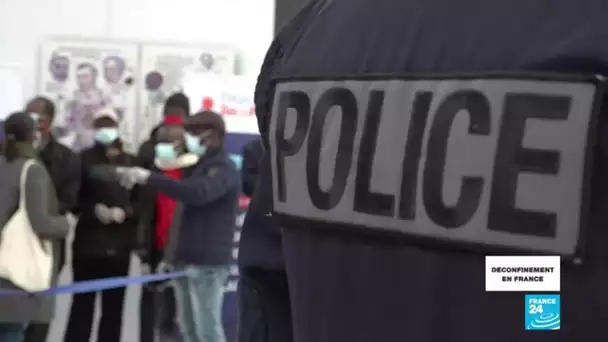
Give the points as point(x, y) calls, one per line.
point(410, 139)
point(263, 295)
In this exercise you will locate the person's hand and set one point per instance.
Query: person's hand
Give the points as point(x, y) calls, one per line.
point(118, 214)
point(163, 267)
point(145, 269)
point(143, 255)
point(129, 176)
point(103, 213)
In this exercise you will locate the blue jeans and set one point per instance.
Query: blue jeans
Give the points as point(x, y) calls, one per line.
point(199, 297)
point(12, 332)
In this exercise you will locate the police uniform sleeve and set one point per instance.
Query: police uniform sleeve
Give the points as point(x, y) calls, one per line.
point(285, 40)
point(252, 155)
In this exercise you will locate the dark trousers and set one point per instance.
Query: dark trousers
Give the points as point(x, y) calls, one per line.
point(37, 332)
point(157, 307)
point(264, 307)
point(11, 332)
point(157, 312)
point(83, 305)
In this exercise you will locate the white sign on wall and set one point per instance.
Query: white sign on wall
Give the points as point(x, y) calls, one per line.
point(164, 67)
point(231, 96)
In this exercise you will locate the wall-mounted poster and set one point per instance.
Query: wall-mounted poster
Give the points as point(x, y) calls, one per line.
point(229, 95)
point(81, 77)
point(163, 68)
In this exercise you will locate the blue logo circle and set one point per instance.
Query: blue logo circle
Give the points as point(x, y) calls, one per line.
point(547, 321)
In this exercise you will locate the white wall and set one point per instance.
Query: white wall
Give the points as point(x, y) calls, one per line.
point(246, 25)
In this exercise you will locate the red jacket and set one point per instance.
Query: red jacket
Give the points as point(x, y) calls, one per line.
point(165, 207)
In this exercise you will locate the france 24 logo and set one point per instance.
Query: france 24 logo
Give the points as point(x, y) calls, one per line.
point(543, 312)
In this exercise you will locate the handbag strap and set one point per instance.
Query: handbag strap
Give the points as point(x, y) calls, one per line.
point(22, 180)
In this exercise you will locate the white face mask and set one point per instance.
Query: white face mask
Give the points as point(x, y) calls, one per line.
point(37, 140)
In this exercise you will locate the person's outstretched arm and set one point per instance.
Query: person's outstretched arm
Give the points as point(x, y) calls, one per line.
point(202, 187)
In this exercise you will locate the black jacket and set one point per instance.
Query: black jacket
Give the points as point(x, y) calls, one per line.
point(252, 155)
point(92, 236)
point(145, 154)
point(395, 290)
point(260, 244)
point(63, 165)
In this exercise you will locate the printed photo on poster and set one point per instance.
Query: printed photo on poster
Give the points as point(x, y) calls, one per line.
point(163, 69)
point(82, 77)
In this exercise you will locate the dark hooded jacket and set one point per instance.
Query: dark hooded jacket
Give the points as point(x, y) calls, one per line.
point(145, 155)
point(91, 236)
point(209, 197)
point(351, 287)
point(250, 171)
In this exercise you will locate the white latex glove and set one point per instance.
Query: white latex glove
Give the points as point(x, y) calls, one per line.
point(118, 214)
point(145, 269)
point(163, 267)
point(129, 176)
point(103, 213)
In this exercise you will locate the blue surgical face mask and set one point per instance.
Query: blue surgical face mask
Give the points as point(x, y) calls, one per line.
point(237, 160)
point(165, 151)
point(193, 144)
point(106, 135)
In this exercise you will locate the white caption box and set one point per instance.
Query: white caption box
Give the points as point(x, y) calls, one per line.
point(523, 273)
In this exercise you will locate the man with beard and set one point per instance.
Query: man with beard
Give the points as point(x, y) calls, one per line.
point(63, 166)
point(59, 68)
point(424, 138)
point(117, 84)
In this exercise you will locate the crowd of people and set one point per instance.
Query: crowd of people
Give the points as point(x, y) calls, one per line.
point(174, 205)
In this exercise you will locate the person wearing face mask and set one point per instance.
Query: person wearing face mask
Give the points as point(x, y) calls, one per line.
point(204, 244)
point(63, 166)
point(105, 233)
point(43, 212)
point(176, 104)
point(157, 213)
